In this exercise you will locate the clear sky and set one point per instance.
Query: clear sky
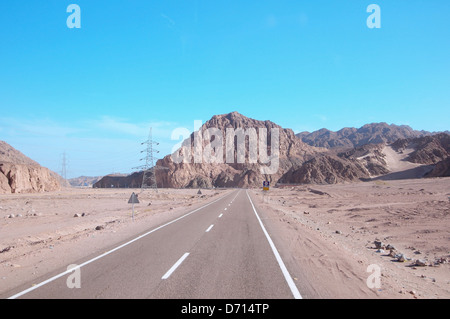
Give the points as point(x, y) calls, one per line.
point(93, 92)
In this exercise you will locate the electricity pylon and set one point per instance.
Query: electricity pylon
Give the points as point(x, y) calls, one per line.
point(149, 168)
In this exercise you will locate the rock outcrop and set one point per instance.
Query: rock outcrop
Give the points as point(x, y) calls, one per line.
point(20, 174)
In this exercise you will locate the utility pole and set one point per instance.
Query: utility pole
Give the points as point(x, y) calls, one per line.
point(149, 168)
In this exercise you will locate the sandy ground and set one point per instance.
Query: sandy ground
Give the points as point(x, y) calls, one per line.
point(44, 235)
point(326, 233)
point(329, 232)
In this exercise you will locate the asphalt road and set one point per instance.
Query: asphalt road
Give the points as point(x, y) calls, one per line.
point(220, 250)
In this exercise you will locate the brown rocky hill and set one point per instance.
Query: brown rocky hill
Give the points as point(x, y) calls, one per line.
point(426, 156)
point(234, 173)
point(20, 174)
point(427, 150)
point(231, 169)
point(374, 133)
point(356, 164)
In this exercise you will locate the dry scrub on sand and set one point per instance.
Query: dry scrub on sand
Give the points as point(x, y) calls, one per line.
point(329, 232)
point(41, 233)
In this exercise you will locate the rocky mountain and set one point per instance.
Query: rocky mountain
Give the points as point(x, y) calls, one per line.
point(227, 151)
point(253, 152)
point(426, 150)
point(374, 133)
point(356, 164)
point(20, 174)
point(241, 161)
point(426, 156)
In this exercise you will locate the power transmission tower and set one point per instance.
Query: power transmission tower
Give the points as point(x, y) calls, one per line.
point(64, 166)
point(149, 168)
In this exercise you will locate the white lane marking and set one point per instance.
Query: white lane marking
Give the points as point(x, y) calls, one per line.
point(108, 252)
point(220, 215)
point(175, 266)
point(284, 270)
point(209, 228)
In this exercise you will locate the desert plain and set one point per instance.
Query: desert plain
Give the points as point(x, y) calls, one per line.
point(325, 234)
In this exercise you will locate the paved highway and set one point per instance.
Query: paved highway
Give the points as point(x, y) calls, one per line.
point(220, 250)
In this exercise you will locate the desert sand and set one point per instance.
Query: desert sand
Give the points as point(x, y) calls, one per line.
point(329, 231)
point(325, 234)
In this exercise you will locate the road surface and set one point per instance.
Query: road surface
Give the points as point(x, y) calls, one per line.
point(220, 250)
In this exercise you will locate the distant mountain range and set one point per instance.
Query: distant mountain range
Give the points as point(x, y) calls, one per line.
point(374, 133)
point(84, 181)
point(373, 151)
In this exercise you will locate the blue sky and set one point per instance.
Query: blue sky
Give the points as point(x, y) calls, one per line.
point(94, 92)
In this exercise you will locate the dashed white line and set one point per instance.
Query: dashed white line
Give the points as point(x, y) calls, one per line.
point(110, 251)
point(220, 215)
point(175, 266)
point(209, 228)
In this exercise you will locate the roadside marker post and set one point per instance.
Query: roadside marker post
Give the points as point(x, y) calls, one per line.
point(133, 200)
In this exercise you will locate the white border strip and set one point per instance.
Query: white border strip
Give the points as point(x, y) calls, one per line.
point(108, 252)
point(286, 274)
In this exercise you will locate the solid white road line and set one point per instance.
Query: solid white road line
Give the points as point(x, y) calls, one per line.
point(284, 270)
point(175, 266)
point(109, 252)
point(209, 228)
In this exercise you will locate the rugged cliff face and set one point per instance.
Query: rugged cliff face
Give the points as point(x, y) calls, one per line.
point(20, 174)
